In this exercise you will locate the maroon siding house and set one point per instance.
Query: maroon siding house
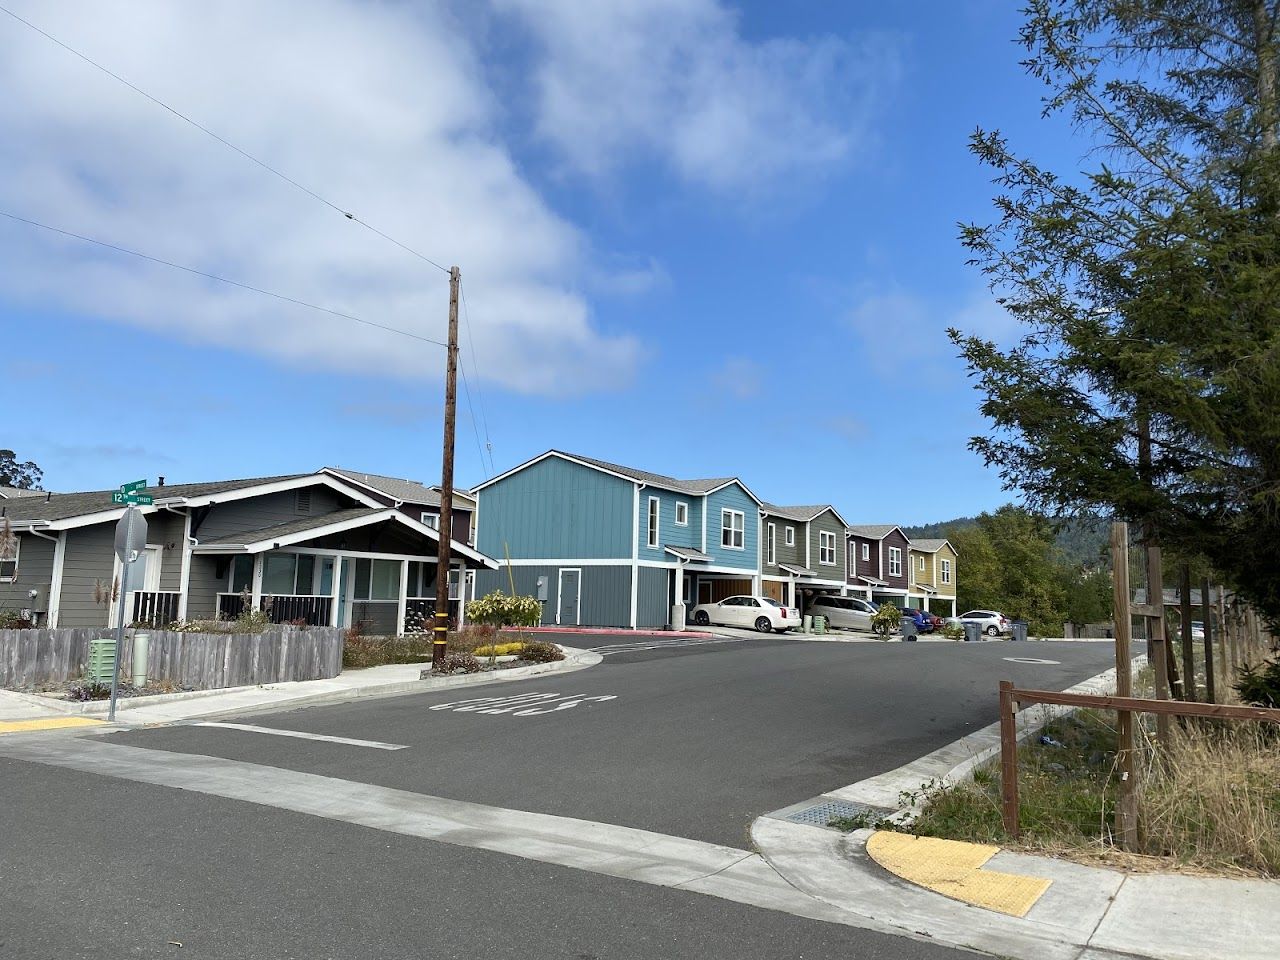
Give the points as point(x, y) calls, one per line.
point(879, 558)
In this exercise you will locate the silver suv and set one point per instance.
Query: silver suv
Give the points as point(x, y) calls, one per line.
point(843, 613)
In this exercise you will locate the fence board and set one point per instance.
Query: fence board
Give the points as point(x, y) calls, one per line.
point(201, 661)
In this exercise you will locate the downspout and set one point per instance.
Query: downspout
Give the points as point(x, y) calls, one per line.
point(635, 557)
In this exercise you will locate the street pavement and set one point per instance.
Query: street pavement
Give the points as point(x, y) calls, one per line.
point(689, 740)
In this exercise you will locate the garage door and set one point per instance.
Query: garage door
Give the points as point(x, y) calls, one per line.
point(773, 588)
point(714, 590)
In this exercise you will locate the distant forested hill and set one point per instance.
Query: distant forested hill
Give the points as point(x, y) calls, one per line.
point(1082, 542)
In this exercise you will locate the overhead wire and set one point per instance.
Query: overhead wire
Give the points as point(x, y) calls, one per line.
point(222, 140)
point(213, 276)
point(484, 417)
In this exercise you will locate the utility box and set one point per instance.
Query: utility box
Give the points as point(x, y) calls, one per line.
point(40, 598)
point(102, 659)
point(542, 589)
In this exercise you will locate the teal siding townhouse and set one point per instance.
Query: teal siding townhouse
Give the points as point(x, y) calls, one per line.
point(605, 545)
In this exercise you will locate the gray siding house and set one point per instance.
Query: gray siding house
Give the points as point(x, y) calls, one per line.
point(308, 547)
point(802, 552)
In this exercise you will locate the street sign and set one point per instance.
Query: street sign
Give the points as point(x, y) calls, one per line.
point(133, 487)
point(131, 536)
point(137, 499)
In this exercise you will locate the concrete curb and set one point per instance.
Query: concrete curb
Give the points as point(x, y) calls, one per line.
point(143, 711)
point(1090, 913)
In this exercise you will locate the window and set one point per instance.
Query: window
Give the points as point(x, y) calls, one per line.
point(921, 559)
point(826, 548)
point(302, 501)
point(790, 536)
point(946, 571)
point(287, 574)
point(773, 544)
point(682, 514)
point(377, 579)
point(895, 561)
point(866, 552)
point(732, 525)
point(655, 505)
point(9, 561)
point(431, 520)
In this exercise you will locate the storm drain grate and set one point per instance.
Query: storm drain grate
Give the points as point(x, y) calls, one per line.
point(823, 812)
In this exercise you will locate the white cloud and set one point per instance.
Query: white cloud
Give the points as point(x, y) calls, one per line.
point(379, 107)
point(677, 80)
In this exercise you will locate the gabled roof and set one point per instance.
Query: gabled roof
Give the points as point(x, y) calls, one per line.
point(874, 531)
point(400, 490)
point(802, 514)
point(696, 488)
point(931, 546)
point(13, 493)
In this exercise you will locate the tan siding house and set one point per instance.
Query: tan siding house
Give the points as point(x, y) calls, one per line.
point(933, 576)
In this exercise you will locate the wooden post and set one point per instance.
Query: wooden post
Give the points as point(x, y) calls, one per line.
point(440, 629)
point(1008, 760)
point(1155, 630)
point(1188, 650)
point(1206, 615)
point(1223, 643)
point(1127, 804)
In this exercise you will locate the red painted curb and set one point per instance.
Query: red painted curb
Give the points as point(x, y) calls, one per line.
point(620, 632)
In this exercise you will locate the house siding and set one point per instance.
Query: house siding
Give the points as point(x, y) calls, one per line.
point(166, 530)
point(734, 497)
point(35, 572)
point(859, 567)
point(792, 554)
point(558, 509)
point(830, 523)
point(89, 558)
point(256, 513)
point(669, 535)
point(605, 590)
point(653, 598)
point(205, 585)
point(897, 539)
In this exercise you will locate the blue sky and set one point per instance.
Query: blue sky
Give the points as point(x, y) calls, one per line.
point(697, 238)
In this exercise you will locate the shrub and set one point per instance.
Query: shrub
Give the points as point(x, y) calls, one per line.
point(497, 609)
point(13, 620)
point(89, 690)
point(458, 663)
point(360, 652)
point(498, 649)
point(539, 651)
point(952, 631)
point(886, 620)
point(1260, 685)
point(473, 635)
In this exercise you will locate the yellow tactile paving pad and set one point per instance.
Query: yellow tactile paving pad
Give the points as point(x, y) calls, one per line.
point(953, 868)
point(46, 723)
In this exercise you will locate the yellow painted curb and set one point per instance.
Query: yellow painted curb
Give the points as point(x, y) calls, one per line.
point(953, 868)
point(47, 723)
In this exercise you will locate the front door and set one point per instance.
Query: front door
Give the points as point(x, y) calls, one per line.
point(570, 599)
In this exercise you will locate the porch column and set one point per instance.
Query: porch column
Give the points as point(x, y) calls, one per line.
point(402, 597)
point(257, 581)
point(462, 594)
point(184, 581)
point(336, 589)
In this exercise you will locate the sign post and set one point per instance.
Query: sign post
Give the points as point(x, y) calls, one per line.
point(131, 540)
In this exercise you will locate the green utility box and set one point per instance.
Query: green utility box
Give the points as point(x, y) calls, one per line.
point(102, 659)
point(819, 624)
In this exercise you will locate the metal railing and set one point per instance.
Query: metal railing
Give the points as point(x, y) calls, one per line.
point(314, 611)
point(155, 608)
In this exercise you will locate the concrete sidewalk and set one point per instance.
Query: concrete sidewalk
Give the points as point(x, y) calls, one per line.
point(1082, 913)
point(391, 680)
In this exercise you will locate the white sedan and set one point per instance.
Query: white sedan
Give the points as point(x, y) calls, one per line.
point(762, 613)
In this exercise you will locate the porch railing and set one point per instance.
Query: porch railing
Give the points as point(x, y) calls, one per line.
point(315, 611)
point(425, 608)
point(155, 608)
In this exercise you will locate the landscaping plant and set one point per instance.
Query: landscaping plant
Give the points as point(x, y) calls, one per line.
point(886, 620)
point(539, 651)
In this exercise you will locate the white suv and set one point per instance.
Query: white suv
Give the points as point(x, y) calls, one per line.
point(992, 622)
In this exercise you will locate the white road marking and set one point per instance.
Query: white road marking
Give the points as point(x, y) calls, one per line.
point(523, 705)
point(1030, 660)
point(642, 645)
point(249, 727)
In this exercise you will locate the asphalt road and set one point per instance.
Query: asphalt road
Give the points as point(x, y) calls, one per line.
point(698, 740)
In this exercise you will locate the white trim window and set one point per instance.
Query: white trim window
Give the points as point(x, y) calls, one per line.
point(655, 522)
point(772, 556)
point(866, 552)
point(921, 559)
point(682, 514)
point(733, 524)
point(826, 548)
point(946, 571)
point(9, 560)
point(431, 520)
point(790, 536)
point(895, 561)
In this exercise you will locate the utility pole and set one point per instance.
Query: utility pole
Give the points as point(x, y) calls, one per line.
point(440, 629)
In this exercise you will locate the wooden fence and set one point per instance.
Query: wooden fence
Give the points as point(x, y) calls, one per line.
point(199, 661)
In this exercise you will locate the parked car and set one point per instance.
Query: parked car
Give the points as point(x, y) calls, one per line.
point(992, 622)
point(763, 613)
point(925, 622)
point(843, 613)
point(1197, 630)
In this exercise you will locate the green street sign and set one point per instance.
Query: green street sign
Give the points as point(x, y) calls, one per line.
point(136, 499)
point(133, 487)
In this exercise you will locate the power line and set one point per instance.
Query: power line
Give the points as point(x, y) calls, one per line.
point(214, 276)
point(222, 140)
point(466, 315)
